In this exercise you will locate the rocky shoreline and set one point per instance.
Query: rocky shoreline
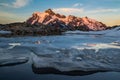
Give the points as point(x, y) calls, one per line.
point(19, 29)
point(24, 29)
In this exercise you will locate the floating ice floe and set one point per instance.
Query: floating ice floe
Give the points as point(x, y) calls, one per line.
point(13, 61)
point(80, 58)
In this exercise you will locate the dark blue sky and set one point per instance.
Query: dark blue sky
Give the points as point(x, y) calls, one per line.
point(106, 11)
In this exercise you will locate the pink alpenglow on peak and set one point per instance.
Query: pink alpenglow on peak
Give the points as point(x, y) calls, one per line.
point(54, 19)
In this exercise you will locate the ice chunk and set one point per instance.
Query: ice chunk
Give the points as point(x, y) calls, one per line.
point(5, 32)
point(83, 60)
point(13, 61)
point(12, 45)
point(97, 46)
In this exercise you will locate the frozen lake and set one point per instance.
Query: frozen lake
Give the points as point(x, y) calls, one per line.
point(60, 57)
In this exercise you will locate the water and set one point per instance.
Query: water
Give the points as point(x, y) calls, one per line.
point(69, 56)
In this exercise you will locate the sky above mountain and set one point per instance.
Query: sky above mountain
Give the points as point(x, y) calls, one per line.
point(106, 11)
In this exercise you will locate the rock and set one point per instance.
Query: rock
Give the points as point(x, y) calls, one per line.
point(49, 11)
point(51, 18)
point(20, 29)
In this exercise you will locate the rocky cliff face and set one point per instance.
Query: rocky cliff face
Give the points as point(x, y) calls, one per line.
point(51, 18)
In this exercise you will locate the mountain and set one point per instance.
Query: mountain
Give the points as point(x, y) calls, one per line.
point(70, 22)
point(51, 23)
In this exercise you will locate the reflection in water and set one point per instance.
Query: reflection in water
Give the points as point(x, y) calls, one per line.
point(49, 70)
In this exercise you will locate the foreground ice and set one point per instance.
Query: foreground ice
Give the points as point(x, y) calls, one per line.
point(81, 52)
point(98, 46)
point(13, 61)
point(89, 52)
point(83, 59)
point(11, 57)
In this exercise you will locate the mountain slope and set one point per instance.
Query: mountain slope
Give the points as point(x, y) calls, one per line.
point(71, 22)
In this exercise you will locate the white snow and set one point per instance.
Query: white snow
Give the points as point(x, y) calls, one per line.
point(112, 32)
point(5, 32)
point(12, 45)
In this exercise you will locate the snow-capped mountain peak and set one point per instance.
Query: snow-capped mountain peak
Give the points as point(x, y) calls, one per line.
point(54, 19)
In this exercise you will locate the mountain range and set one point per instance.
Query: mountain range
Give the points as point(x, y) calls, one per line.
point(51, 18)
point(51, 23)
